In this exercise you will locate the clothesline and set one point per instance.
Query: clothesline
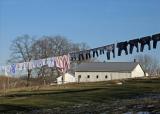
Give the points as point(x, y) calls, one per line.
point(122, 46)
point(63, 62)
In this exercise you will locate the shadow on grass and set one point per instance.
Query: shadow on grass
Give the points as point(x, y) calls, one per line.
point(50, 92)
point(11, 109)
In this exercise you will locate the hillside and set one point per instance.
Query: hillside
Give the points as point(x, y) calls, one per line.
point(134, 95)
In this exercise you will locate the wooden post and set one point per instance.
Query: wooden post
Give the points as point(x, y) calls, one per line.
point(44, 82)
point(63, 78)
point(8, 82)
point(4, 89)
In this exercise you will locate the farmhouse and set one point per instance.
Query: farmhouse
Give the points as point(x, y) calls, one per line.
point(98, 71)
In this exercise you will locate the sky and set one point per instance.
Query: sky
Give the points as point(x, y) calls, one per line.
point(96, 22)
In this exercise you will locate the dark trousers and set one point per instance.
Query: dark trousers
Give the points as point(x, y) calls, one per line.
point(155, 39)
point(73, 57)
point(133, 43)
point(101, 51)
point(122, 46)
point(121, 49)
point(81, 56)
point(95, 53)
point(131, 48)
point(108, 54)
point(145, 41)
point(142, 46)
point(88, 55)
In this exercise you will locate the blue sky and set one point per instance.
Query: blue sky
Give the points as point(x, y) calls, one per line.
point(96, 22)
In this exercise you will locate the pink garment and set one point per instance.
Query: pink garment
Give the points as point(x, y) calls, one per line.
point(63, 63)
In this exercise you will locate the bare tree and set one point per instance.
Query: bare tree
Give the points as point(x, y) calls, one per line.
point(21, 49)
point(51, 46)
point(43, 48)
point(149, 63)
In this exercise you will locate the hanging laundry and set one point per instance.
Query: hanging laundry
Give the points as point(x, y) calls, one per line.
point(40, 63)
point(19, 66)
point(133, 43)
point(95, 52)
point(81, 56)
point(30, 65)
point(7, 70)
point(145, 41)
point(63, 63)
point(74, 56)
point(155, 38)
point(110, 48)
point(25, 66)
point(44, 62)
point(13, 68)
point(88, 54)
point(50, 62)
point(66, 62)
point(37, 63)
point(122, 46)
point(1, 69)
point(101, 50)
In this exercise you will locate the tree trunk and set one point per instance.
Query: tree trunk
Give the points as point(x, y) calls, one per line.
point(28, 77)
point(63, 78)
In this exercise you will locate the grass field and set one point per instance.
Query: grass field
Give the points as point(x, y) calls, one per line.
point(133, 95)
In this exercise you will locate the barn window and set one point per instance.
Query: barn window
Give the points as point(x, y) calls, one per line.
point(106, 76)
point(79, 76)
point(88, 76)
point(97, 76)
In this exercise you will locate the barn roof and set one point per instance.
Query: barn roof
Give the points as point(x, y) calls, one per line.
point(107, 67)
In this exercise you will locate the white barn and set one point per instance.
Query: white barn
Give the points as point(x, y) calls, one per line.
point(68, 78)
point(98, 71)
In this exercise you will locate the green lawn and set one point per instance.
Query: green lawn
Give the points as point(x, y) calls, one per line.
point(85, 97)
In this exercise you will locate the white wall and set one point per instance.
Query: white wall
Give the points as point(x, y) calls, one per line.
point(67, 79)
point(101, 76)
point(137, 72)
point(121, 75)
